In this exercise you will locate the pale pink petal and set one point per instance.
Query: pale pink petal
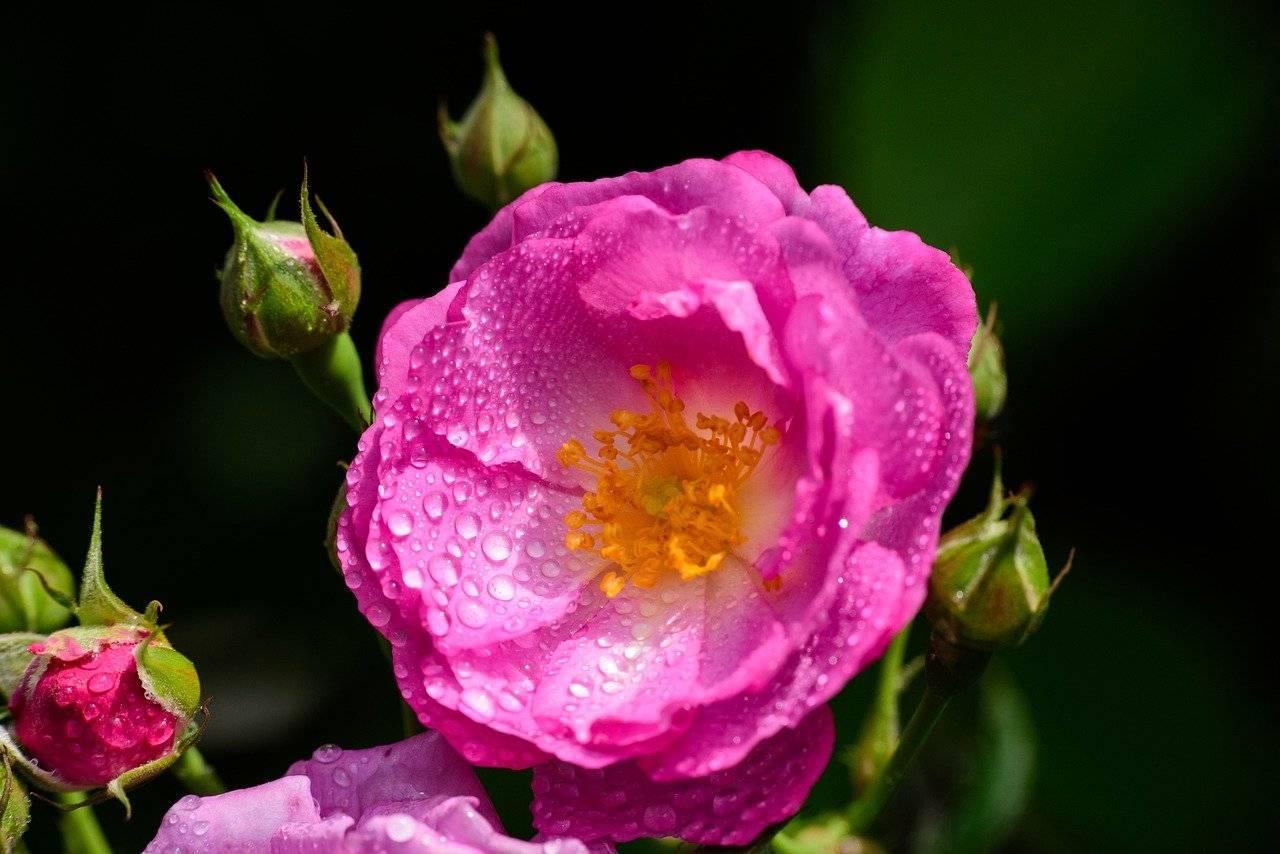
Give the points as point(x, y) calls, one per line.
point(860, 623)
point(730, 808)
point(239, 822)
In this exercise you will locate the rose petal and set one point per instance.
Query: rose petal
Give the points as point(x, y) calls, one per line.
point(732, 808)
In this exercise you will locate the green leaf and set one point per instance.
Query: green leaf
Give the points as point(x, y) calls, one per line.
point(15, 658)
point(335, 256)
point(98, 605)
point(170, 677)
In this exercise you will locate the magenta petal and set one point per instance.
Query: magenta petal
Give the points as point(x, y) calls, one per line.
point(733, 807)
point(239, 821)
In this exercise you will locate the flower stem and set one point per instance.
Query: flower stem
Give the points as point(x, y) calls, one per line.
point(196, 774)
point(333, 373)
point(949, 670)
point(879, 735)
point(81, 833)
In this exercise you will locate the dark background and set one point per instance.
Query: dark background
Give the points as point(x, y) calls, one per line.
point(1110, 174)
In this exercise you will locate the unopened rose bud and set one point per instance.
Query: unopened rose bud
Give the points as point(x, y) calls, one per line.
point(287, 287)
point(103, 704)
point(986, 367)
point(990, 585)
point(32, 580)
point(501, 147)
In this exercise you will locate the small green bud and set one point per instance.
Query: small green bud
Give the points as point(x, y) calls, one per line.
point(990, 585)
point(32, 580)
point(502, 147)
point(15, 808)
point(287, 287)
point(824, 834)
point(986, 367)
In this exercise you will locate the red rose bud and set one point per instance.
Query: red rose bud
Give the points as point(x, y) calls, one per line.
point(986, 367)
point(990, 585)
point(502, 147)
point(287, 287)
point(83, 713)
point(106, 703)
point(34, 584)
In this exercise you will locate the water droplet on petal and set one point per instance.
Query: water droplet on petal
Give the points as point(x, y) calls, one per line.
point(327, 753)
point(502, 588)
point(472, 614)
point(400, 828)
point(496, 546)
point(467, 525)
point(400, 524)
point(101, 683)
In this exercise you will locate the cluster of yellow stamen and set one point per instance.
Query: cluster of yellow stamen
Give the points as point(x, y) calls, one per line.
point(666, 495)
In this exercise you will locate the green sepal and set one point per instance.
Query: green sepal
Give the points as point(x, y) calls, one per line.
point(15, 809)
point(170, 677)
point(97, 604)
point(15, 658)
point(337, 260)
point(36, 587)
point(135, 777)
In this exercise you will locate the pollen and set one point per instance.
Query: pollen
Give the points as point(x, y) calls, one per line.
point(666, 494)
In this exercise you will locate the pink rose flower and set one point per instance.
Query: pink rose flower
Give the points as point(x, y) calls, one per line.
point(656, 474)
point(414, 796)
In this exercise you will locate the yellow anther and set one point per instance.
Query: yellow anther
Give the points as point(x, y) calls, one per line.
point(665, 498)
point(612, 584)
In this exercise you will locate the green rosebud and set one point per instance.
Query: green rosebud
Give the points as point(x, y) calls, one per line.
point(990, 585)
point(824, 834)
point(986, 367)
point(502, 147)
point(15, 809)
point(287, 287)
point(32, 581)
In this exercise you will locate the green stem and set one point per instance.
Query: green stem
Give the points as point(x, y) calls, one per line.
point(949, 669)
point(333, 373)
point(196, 774)
point(81, 833)
point(879, 734)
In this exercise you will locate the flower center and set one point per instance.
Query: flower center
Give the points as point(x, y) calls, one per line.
point(666, 496)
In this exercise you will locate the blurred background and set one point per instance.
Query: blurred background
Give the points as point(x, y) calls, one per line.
point(1108, 170)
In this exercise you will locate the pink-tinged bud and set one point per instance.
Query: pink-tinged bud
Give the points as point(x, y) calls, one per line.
point(83, 713)
point(288, 288)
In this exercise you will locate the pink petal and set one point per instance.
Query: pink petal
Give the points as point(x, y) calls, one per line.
point(730, 808)
point(861, 622)
point(677, 189)
point(239, 821)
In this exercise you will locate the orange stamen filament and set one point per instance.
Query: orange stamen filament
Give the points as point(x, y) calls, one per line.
point(666, 495)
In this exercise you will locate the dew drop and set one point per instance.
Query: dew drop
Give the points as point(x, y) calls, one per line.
point(101, 683)
point(502, 588)
point(341, 778)
point(327, 753)
point(378, 615)
point(399, 828)
point(467, 525)
point(472, 614)
point(443, 570)
point(496, 547)
point(400, 524)
point(660, 818)
point(479, 701)
point(434, 505)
